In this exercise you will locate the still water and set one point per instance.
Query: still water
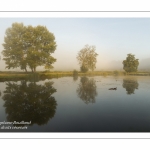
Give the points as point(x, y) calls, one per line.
point(79, 104)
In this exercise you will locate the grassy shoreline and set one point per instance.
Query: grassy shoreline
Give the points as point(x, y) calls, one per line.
point(57, 74)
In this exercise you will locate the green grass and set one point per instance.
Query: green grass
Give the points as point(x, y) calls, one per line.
point(57, 74)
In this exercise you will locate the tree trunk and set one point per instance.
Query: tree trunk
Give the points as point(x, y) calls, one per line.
point(34, 69)
point(26, 70)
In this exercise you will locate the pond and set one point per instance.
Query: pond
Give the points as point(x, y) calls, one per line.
point(76, 104)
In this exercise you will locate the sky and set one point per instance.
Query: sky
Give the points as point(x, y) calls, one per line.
point(113, 38)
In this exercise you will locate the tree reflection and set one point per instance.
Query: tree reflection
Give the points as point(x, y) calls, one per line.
point(75, 75)
point(75, 78)
point(29, 102)
point(87, 90)
point(130, 85)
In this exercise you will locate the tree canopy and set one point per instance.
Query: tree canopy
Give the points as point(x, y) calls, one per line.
point(28, 47)
point(87, 58)
point(131, 63)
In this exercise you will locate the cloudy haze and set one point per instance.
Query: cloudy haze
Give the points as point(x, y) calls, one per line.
point(114, 38)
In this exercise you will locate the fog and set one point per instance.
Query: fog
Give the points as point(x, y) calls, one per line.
point(113, 38)
point(65, 64)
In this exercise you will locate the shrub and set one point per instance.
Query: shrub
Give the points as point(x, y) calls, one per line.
point(75, 73)
point(116, 73)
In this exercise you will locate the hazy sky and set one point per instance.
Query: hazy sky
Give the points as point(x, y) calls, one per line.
point(114, 38)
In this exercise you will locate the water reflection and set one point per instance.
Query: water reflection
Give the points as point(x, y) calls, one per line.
point(75, 75)
point(87, 90)
point(75, 78)
point(29, 102)
point(130, 85)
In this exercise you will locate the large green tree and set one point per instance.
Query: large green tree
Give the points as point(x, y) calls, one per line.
point(131, 63)
point(87, 58)
point(28, 47)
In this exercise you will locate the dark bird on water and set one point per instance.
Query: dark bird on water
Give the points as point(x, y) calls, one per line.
point(113, 88)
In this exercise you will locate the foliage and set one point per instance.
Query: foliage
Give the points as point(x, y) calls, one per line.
point(130, 64)
point(84, 69)
point(87, 58)
point(75, 73)
point(27, 46)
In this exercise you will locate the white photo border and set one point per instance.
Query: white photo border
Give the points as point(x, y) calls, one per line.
point(81, 14)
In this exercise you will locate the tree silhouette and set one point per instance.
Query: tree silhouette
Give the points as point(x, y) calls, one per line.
point(130, 64)
point(29, 102)
point(87, 90)
point(130, 85)
point(28, 47)
point(87, 58)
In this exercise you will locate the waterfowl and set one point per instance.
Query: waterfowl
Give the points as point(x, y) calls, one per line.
point(113, 88)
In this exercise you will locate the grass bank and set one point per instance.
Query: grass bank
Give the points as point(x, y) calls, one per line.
point(57, 74)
